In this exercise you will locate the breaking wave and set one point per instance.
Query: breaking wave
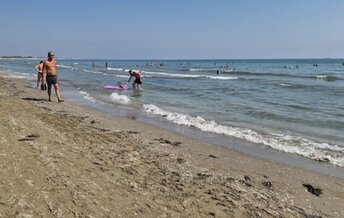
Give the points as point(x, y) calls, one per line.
point(283, 142)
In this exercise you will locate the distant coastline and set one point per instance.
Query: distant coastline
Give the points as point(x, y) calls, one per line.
point(171, 59)
point(18, 57)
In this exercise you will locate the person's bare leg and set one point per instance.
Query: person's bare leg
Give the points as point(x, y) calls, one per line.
point(49, 91)
point(57, 92)
point(38, 79)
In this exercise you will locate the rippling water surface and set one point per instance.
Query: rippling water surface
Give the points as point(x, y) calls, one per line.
point(295, 106)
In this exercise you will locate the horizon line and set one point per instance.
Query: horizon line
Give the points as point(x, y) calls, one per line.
point(167, 59)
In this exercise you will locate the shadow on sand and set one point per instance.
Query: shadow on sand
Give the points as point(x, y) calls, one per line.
point(34, 99)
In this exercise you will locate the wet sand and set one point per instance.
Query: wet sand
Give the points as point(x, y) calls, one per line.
point(62, 160)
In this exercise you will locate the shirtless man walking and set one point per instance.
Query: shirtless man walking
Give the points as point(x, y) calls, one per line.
point(50, 73)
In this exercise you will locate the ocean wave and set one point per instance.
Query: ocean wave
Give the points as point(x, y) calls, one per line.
point(283, 142)
point(64, 66)
point(196, 70)
point(94, 72)
point(122, 99)
point(121, 76)
point(247, 73)
point(117, 69)
point(287, 84)
point(222, 77)
point(87, 96)
point(284, 75)
point(186, 76)
point(25, 74)
point(326, 77)
point(18, 75)
point(13, 76)
point(227, 71)
point(311, 87)
point(274, 74)
point(171, 74)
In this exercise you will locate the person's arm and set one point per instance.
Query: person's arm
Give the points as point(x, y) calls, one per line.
point(37, 68)
point(130, 78)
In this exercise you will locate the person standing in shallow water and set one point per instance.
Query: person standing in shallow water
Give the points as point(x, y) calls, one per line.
point(138, 79)
point(50, 74)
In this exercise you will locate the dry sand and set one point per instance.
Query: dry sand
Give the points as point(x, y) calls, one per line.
point(61, 160)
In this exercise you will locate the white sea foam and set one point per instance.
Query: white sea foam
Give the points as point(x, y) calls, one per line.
point(121, 76)
point(172, 74)
point(321, 76)
point(286, 84)
point(16, 74)
point(64, 66)
point(326, 77)
point(223, 77)
point(122, 99)
point(283, 142)
point(24, 74)
point(13, 76)
point(195, 70)
point(87, 96)
point(118, 69)
point(94, 72)
point(227, 71)
point(19, 75)
point(76, 63)
point(176, 75)
point(91, 71)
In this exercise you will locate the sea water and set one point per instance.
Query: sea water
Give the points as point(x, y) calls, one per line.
point(294, 106)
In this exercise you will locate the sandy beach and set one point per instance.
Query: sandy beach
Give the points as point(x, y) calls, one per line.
point(62, 160)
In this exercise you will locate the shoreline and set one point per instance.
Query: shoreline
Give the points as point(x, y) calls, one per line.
point(228, 142)
point(63, 159)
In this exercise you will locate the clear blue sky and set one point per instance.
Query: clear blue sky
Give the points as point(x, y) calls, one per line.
point(144, 29)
